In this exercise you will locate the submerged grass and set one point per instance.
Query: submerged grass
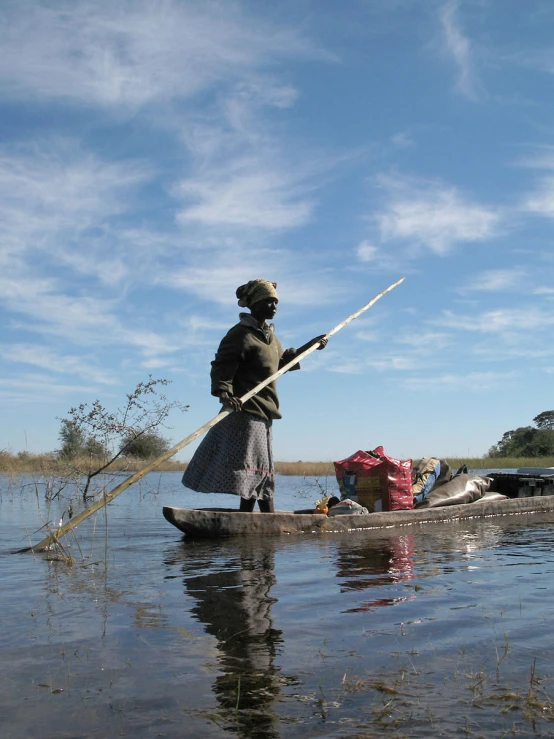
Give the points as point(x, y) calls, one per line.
point(412, 699)
point(462, 701)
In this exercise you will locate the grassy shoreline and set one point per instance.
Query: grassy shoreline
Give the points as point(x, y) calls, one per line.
point(47, 465)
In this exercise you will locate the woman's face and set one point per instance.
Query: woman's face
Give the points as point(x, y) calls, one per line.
point(264, 310)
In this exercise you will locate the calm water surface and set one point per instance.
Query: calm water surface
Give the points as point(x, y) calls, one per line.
point(432, 630)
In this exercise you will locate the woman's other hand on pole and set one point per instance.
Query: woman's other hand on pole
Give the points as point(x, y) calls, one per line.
point(230, 401)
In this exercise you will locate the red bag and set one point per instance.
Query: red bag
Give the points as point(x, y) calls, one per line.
point(370, 476)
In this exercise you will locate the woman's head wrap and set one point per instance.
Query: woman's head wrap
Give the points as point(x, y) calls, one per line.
point(254, 291)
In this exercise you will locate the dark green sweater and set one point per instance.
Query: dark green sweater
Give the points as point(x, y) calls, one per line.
point(246, 356)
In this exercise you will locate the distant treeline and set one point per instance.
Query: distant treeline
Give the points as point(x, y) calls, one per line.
point(528, 441)
point(48, 464)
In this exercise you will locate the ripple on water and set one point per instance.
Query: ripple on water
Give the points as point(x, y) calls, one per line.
point(423, 631)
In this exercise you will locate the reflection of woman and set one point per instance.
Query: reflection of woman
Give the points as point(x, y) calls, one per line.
point(234, 603)
point(236, 455)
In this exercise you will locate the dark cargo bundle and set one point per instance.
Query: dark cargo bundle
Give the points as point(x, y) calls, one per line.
point(424, 476)
point(376, 481)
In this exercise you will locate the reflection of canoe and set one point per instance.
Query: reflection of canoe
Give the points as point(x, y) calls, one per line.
point(215, 522)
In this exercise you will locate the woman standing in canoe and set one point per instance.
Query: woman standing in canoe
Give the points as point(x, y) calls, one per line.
point(236, 455)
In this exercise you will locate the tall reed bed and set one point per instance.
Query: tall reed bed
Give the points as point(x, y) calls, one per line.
point(499, 463)
point(321, 469)
point(305, 469)
point(50, 464)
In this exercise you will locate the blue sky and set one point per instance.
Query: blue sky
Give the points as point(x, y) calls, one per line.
point(154, 155)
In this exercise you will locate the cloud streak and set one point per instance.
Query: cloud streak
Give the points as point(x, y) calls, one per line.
point(459, 48)
point(43, 357)
point(53, 195)
point(112, 53)
point(496, 280)
point(252, 196)
point(502, 320)
point(470, 382)
point(433, 215)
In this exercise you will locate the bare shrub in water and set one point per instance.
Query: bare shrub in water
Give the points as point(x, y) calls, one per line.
point(107, 435)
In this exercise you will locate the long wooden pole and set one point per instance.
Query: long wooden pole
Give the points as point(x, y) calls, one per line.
point(108, 497)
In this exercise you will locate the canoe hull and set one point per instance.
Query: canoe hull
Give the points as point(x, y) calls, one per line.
point(222, 522)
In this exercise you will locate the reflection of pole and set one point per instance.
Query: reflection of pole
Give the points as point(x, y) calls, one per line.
point(108, 497)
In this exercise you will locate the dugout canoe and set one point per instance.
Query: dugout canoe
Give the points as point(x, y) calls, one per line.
point(222, 522)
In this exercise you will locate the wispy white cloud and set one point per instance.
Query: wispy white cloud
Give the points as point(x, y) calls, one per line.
point(251, 196)
point(409, 352)
point(367, 335)
point(501, 352)
point(41, 300)
point(433, 215)
point(399, 361)
point(82, 320)
point(54, 197)
point(460, 49)
point(39, 355)
point(242, 177)
point(537, 56)
point(502, 320)
point(422, 340)
point(115, 53)
point(412, 351)
point(470, 382)
point(496, 280)
point(541, 157)
point(220, 281)
point(402, 140)
point(38, 388)
point(366, 251)
point(196, 327)
point(541, 201)
point(217, 283)
point(66, 262)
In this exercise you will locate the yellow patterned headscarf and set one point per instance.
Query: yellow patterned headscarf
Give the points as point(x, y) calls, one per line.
point(254, 291)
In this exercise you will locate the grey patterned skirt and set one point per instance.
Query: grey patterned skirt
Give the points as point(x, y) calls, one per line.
point(234, 457)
